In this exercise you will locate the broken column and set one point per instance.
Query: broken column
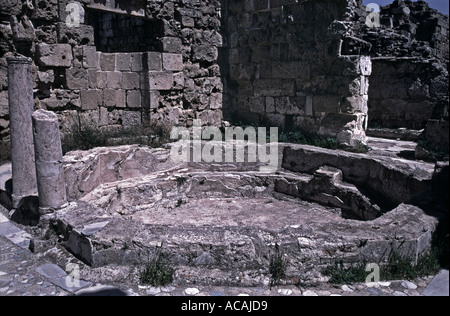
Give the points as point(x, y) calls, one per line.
point(21, 106)
point(49, 161)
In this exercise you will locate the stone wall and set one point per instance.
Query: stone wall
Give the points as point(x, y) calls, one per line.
point(294, 64)
point(92, 74)
point(286, 67)
point(410, 55)
point(405, 92)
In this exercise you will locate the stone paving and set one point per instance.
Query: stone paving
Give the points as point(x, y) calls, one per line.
point(24, 274)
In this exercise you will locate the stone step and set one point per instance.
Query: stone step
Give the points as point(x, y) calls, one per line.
point(230, 237)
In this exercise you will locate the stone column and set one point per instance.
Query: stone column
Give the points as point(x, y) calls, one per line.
point(21, 106)
point(49, 161)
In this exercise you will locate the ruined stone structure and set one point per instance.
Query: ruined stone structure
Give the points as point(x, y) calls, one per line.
point(307, 64)
point(409, 82)
point(287, 67)
point(115, 64)
point(295, 64)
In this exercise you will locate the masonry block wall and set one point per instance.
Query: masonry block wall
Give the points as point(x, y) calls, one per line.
point(287, 69)
point(410, 55)
point(406, 92)
point(113, 64)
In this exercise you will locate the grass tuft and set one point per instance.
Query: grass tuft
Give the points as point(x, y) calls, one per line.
point(278, 267)
point(152, 135)
point(158, 272)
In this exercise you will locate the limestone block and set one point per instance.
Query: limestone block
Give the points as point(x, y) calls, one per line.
point(206, 53)
point(306, 123)
point(130, 80)
point(22, 28)
point(210, 117)
point(174, 115)
point(69, 122)
point(102, 79)
point(92, 78)
point(364, 85)
point(103, 117)
point(270, 105)
point(91, 58)
point(89, 120)
point(289, 105)
point(257, 105)
point(172, 62)
point(4, 124)
point(355, 104)
point(51, 103)
point(115, 117)
point(131, 118)
point(81, 35)
point(114, 98)
point(134, 99)
point(4, 108)
point(179, 80)
point(347, 65)
point(188, 21)
point(154, 99)
point(291, 70)
point(160, 80)
point(121, 99)
point(216, 101)
point(366, 65)
point(59, 99)
point(123, 62)
point(208, 85)
point(46, 77)
point(54, 55)
point(136, 62)
point(274, 87)
point(3, 74)
point(45, 10)
point(171, 44)
point(326, 103)
point(347, 128)
point(90, 99)
point(153, 61)
point(113, 79)
point(108, 62)
point(77, 78)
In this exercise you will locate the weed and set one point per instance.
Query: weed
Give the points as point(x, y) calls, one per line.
point(359, 148)
point(278, 267)
point(307, 138)
point(339, 274)
point(180, 180)
point(158, 272)
point(84, 140)
point(434, 154)
point(398, 268)
point(152, 135)
point(313, 139)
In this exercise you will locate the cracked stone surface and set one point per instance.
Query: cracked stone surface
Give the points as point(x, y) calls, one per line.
point(220, 224)
point(227, 219)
